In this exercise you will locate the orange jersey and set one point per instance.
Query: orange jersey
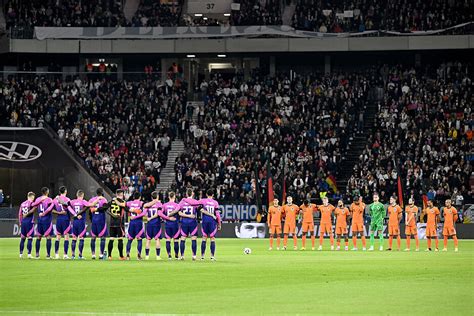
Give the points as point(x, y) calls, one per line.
point(290, 212)
point(357, 211)
point(308, 212)
point(274, 215)
point(341, 216)
point(393, 213)
point(326, 212)
point(449, 216)
point(432, 213)
point(410, 215)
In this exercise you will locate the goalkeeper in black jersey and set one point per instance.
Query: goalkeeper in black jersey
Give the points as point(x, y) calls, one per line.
point(117, 223)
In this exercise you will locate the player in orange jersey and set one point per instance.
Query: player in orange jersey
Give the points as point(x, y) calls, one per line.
point(411, 213)
point(394, 217)
point(326, 222)
point(450, 215)
point(290, 211)
point(357, 209)
point(274, 223)
point(342, 216)
point(432, 213)
point(308, 209)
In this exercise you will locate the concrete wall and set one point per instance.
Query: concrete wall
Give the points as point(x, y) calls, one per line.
point(243, 45)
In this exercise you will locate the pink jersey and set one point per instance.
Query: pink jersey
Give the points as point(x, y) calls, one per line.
point(25, 208)
point(156, 209)
point(77, 206)
point(189, 207)
point(60, 205)
point(169, 209)
point(135, 208)
point(44, 209)
point(212, 207)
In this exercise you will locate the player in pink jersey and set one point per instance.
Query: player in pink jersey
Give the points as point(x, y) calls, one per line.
point(211, 222)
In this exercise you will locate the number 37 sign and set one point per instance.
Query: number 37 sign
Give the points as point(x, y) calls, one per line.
point(210, 7)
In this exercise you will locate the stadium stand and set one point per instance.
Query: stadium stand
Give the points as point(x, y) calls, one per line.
point(309, 127)
point(311, 15)
point(101, 120)
point(302, 125)
point(398, 15)
point(67, 14)
point(423, 132)
point(255, 12)
point(157, 13)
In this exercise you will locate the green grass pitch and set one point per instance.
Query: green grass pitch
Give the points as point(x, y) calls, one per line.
point(277, 282)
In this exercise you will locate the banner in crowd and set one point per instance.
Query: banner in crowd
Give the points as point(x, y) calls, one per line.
point(238, 212)
point(42, 33)
point(10, 228)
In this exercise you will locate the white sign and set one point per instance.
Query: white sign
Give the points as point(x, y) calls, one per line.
point(18, 152)
point(348, 14)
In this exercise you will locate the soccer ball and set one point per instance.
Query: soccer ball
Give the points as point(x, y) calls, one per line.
point(247, 251)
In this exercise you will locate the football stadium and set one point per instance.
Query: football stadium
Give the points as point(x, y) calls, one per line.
point(236, 157)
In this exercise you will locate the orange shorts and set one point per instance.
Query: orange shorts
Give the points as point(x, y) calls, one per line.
point(340, 230)
point(307, 227)
point(289, 228)
point(325, 228)
point(449, 231)
point(275, 229)
point(357, 227)
point(411, 230)
point(431, 231)
point(393, 230)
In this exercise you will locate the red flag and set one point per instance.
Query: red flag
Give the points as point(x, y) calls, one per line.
point(425, 200)
point(400, 192)
point(284, 192)
point(270, 184)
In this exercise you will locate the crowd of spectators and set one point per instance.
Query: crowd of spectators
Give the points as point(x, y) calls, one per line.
point(22, 13)
point(157, 13)
point(257, 12)
point(252, 12)
point(300, 125)
point(423, 133)
point(336, 16)
point(122, 130)
point(326, 16)
point(298, 128)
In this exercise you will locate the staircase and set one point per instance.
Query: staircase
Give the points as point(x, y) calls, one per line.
point(288, 13)
point(356, 147)
point(167, 176)
point(195, 105)
point(129, 8)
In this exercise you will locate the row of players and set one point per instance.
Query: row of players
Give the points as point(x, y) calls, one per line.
point(180, 223)
point(355, 213)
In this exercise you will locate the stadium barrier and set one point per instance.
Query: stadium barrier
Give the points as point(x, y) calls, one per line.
point(42, 33)
point(10, 228)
